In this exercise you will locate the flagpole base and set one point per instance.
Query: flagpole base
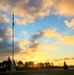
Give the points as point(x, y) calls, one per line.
point(13, 69)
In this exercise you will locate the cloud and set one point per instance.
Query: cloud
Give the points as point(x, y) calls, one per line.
point(4, 20)
point(6, 48)
point(27, 11)
point(30, 10)
point(47, 33)
point(30, 55)
point(22, 43)
point(51, 33)
point(4, 5)
point(5, 33)
point(22, 46)
point(68, 40)
point(69, 24)
point(36, 45)
point(64, 59)
point(72, 58)
point(6, 44)
point(37, 35)
point(30, 48)
point(64, 7)
point(30, 52)
point(20, 22)
point(67, 58)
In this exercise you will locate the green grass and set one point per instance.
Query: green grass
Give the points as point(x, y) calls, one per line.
point(50, 72)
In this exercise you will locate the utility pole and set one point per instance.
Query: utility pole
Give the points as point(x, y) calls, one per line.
point(13, 62)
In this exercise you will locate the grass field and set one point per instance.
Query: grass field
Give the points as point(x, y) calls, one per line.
point(50, 72)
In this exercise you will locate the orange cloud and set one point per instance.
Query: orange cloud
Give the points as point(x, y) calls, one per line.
point(4, 5)
point(64, 7)
point(22, 43)
point(30, 10)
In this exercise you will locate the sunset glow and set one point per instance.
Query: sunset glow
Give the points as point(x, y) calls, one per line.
point(44, 30)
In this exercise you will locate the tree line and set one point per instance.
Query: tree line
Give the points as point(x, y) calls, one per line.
point(19, 65)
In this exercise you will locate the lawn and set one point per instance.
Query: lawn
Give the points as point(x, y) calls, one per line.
point(50, 72)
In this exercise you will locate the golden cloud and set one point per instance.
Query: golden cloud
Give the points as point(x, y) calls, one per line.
point(51, 33)
point(68, 39)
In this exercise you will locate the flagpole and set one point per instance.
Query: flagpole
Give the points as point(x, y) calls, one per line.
point(13, 62)
point(13, 36)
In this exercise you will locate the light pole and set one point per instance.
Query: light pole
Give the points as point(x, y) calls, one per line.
point(13, 62)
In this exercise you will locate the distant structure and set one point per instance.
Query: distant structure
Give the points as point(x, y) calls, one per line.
point(13, 62)
point(65, 67)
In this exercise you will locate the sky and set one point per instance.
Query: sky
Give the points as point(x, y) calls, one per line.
point(43, 30)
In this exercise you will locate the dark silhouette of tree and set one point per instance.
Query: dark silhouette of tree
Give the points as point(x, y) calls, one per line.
point(26, 64)
point(20, 63)
point(65, 67)
point(41, 65)
point(31, 64)
point(52, 64)
point(4, 64)
point(9, 64)
point(47, 64)
point(0, 64)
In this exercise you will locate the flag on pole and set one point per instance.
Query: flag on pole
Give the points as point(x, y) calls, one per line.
point(13, 18)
